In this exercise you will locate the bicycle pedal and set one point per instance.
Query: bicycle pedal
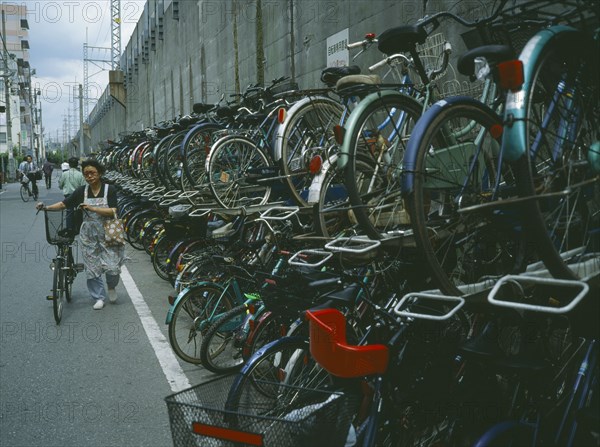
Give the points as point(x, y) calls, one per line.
point(78, 267)
point(50, 298)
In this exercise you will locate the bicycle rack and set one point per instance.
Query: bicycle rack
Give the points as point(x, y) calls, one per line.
point(310, 258)
point(357, 244)
point(188, 194)
point(171, 194)
point(519, 285)
point(200, 212)
point(288, 211)
point(456, 300)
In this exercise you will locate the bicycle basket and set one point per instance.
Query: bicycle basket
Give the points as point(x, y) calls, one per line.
point(57, 231)
point(266, 414)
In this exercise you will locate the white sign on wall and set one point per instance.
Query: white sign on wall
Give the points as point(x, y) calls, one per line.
point(337, 53)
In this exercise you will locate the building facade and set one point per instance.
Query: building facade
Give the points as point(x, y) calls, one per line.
point(183, 52)
point(20, 129)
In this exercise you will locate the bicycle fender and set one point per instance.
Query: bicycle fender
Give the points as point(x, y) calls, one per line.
point(344, 154)
point(184, 292)
point(277, 151)
point(409, 163)
point(317, 181)
point(192, 132)
point(515, 113)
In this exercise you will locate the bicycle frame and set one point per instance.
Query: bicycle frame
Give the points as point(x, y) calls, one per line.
point(184, 292)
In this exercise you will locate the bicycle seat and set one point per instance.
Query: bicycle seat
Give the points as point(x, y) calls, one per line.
point(352, 80)
point(493, 53)
point(401, 39)
point(226, 112)
point(330, 76)
point(201, 107)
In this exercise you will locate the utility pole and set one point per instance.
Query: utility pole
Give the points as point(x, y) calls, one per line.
point(81, 136)
point(7, 84)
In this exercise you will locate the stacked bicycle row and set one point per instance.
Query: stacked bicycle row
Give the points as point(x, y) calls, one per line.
point(370, 229)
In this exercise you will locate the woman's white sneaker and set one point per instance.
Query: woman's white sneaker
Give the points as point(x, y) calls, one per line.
point(99, 304)
point(112, 295)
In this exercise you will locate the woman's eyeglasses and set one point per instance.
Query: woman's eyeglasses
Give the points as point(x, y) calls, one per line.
point(90, 173)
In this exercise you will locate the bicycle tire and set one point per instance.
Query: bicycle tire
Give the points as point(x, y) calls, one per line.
point(560, 97)
point(307, 132)
point(450, 165)
point(196, 306)
point(160, 255)
point(231, 160)
point(24, 193)
point(268, 328)
point(221, 350)
point(58, 291)
point(285, 361)
point(195, 147)
point(333, 215)
point(69, 274)
point(150, 231)
point(173, 163)
point(376, 144)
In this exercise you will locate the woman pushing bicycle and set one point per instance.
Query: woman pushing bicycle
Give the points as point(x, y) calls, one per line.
point(98, 200)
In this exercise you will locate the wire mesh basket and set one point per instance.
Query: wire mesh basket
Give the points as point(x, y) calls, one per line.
point(59, 226)
point(431, 51)
point(259, 414)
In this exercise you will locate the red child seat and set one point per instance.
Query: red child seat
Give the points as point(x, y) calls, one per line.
point(328, 346)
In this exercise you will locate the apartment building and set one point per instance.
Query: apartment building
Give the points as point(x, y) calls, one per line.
point(19, 113)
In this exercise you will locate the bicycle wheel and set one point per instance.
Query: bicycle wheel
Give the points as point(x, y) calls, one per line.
point(195, 147)
point(69, 273)
point(134, 230)
point(24, 193)
point(160, 256)
point(333, 215)
point(192, 317)
point(149, 233)
point(306, 133)
point(452, 163)
point(375, 143)
point(58, 290)
point(268, 328)
point(285, 361)
point(173, 162)
point(562, 122)
point(231, 162)
point(221, 350)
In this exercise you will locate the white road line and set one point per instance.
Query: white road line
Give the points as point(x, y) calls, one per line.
point(168, 362)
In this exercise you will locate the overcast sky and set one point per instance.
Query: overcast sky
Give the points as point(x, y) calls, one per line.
point(57, 32)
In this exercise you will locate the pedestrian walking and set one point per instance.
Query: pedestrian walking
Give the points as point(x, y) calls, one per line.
point(98, 199)
point(69, 181)
point(47, 168)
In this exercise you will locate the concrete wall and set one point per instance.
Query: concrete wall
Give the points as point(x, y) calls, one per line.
point(190, 51)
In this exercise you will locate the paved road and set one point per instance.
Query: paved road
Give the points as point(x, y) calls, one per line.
point(98, 379)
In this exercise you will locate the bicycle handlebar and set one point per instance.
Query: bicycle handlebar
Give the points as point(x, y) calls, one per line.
point(433, 20)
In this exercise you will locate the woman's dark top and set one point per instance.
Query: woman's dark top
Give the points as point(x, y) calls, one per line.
point(76, 199)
